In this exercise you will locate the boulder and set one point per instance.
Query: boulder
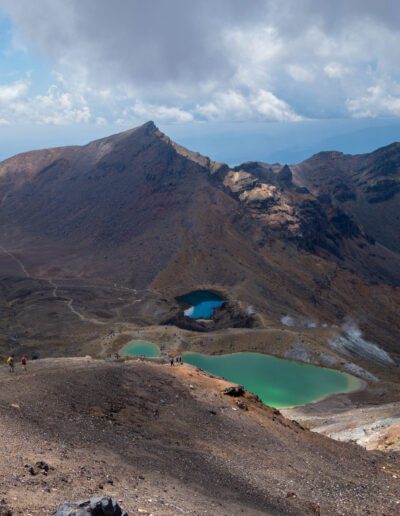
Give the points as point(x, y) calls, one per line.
point(242, 405)
point(102, 506)
point(236, 391)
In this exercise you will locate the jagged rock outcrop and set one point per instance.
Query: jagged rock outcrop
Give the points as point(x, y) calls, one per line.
point(365, 186)
point(382, 190)
point(284, 177)
point(289, 212)
point(102, 506)
point(235, 391)
point(345, 225)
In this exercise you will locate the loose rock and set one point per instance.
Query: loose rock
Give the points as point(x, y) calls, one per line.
point(235, 391)
point(103, 506)
point(242, 405)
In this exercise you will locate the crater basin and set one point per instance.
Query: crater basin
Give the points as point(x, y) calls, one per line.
point(202, 304)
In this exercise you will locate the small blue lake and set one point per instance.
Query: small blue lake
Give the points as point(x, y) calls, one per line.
point(202, 304)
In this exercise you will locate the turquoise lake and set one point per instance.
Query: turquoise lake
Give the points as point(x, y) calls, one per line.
point(203, 304)
point(279, 383)
point(140, 349)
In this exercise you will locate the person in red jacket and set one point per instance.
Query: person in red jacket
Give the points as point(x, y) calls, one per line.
point(23, 362)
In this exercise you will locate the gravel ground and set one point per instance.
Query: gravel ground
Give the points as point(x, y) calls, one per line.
point(165, 440)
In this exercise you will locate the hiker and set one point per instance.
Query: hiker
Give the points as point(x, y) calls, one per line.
point(171, 361)
point(10, 362)
point(23, 362)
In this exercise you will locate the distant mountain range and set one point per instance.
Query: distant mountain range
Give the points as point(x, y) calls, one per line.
point(320, 239)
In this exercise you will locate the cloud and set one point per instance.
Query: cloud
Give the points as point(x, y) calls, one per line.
point(376, 102)
point(180, 61)
point(12, 91)
point(335, 70)
point(58, 108)
point(165, 114)
point(272, 108)
point(261, 105)
point(55, 107)
point(300, 73)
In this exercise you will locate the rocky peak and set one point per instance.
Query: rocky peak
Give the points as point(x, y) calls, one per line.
point(284, 177)
point(196, 157)
point(327, 155)
point(149, 126)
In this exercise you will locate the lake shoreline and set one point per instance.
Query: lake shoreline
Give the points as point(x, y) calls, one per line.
point(281, 383)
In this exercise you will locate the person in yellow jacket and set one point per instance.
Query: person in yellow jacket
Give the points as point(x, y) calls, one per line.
point(10, 362)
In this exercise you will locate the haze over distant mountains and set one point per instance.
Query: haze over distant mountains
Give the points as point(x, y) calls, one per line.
point(282, 142)
point(232, 143)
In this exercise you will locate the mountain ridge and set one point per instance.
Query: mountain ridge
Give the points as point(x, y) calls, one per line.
point(138, 210)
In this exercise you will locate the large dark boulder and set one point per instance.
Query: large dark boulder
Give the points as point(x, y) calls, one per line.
point(102, 506)
point(235, 391)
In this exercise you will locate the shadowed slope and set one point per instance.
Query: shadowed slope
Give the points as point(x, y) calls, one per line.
point(148, 439)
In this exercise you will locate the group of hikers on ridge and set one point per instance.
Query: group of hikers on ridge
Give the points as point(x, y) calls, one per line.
point(11, 363)
point(178, 360)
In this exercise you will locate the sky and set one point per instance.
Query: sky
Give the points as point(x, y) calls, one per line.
point(272, 80)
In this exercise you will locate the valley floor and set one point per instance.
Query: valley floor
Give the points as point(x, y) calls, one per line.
point(165, 440)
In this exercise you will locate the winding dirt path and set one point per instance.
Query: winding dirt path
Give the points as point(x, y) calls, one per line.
point(17, 260)
point(68, 300)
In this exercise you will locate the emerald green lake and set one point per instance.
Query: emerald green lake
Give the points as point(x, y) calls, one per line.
point(279, 383)
point(139, 348)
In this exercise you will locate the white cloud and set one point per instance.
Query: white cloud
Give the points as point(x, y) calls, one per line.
point(230, 60)
point(100, 120)
point(55, 107)
point(163, 113)
point(230, 104)
point(143, 111)
point(376, 102)
point(300, 73)
point(260, 105)
point(335, 70)
point(10, 92)
point(271, 108)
